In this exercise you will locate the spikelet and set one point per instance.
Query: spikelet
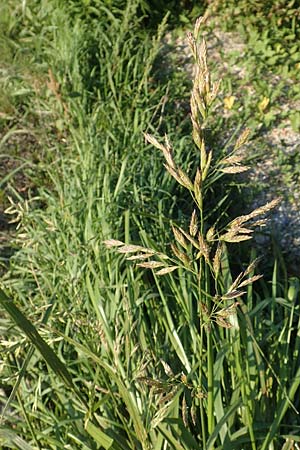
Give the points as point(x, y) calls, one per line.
point(200, 20)
point(233, 238)
point(191, 239)
point(150, 264)
point(180, 255)
point(184, 410)
point(139, 256)
point(232, 159)
point(133, 249)
point(203, 247)
point(193, 224)
point(194, 414)
point(243, 138)
point(192, 44)
point(235, 169)
point(109, 243)
point(166, 270)
point(166, 149)
point(179, 237)
point(207, 165)
point(180, 177)
point(256, 212)
point(210, 234)
point(197, 188)
point(152, 140)
point(252, 266)
point(232, 295)
point(217, 260)
point(168, 371)
point(250, 280)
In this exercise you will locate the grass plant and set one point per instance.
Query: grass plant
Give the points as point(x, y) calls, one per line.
point(211, 339)
point(97, 353)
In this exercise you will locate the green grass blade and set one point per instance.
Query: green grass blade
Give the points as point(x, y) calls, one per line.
point(175, 444)
point(100, 437)
point(281, 410)
point(213, 437)
point(11, 439)
point(33, 335)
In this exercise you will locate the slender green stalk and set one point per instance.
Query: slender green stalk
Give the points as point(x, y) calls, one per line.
point(210, 383)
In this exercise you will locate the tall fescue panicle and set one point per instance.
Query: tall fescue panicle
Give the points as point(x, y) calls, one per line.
point(201, 241)
point(207, 319)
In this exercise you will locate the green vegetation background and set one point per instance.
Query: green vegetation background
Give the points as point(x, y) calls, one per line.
point(95, 352)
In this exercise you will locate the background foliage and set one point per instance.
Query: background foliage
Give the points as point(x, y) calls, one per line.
point(95, 352)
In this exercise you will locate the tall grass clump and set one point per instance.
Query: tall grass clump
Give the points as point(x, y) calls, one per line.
point(97, 354)
point(70, 291)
